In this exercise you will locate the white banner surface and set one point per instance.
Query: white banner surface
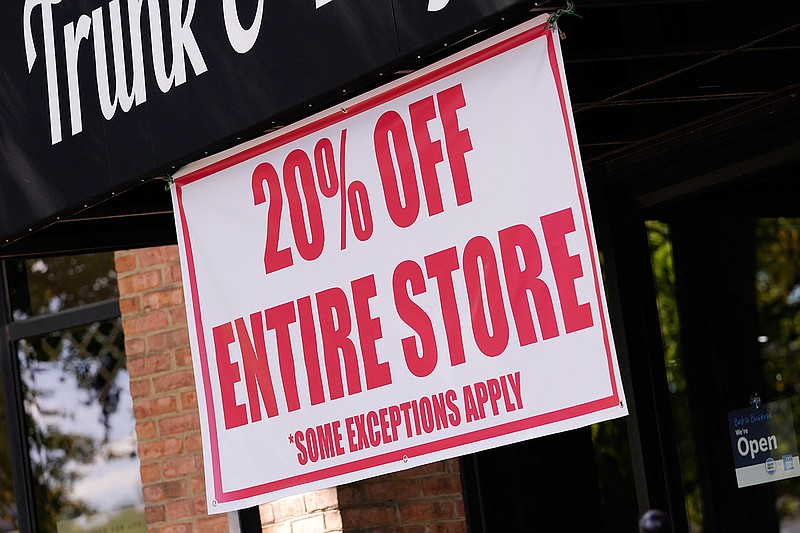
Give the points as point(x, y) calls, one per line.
point(408, 277)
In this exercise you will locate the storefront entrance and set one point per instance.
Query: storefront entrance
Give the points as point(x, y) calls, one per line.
point(727, 276)
point(720, 255)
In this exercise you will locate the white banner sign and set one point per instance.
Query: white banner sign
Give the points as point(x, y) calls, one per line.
point(409, 277)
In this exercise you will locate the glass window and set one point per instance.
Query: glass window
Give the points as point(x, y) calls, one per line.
point(663, 265)
point(81, 435)
point(78, 411)
point(8, 505)
point(728, 295)
point(48, 285)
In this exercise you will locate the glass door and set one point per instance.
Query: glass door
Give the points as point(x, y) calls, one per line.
point(726, 269)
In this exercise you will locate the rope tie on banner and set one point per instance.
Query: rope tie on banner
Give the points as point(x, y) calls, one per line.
point(558, 13)
point(169, 181)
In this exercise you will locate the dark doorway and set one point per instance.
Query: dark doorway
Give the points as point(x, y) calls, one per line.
point(726, 266)
point(580, 480)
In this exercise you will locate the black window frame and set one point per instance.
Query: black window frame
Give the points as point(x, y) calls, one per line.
point(10, 334)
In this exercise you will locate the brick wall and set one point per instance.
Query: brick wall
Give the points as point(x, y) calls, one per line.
point(162, 386)
point(425, 499)
point(312, 512)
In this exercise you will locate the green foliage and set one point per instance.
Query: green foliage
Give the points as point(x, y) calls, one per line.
point(130, 520)
point(777, 286)
point(663, 266)
point(777, 297)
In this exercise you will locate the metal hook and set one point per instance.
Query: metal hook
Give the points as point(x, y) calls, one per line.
point(755, 400)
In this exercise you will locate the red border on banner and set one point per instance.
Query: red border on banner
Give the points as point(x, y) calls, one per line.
point(458, 65)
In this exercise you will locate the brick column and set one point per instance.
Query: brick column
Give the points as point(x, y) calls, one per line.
point(312, 512)
point(164, 397)
point(426, 499)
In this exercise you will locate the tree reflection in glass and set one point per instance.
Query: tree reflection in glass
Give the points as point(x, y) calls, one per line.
point(776, 290)
point(663, 266)
point(8, 505)
point(48, 285)
point(777, 286)
point(79, 419)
